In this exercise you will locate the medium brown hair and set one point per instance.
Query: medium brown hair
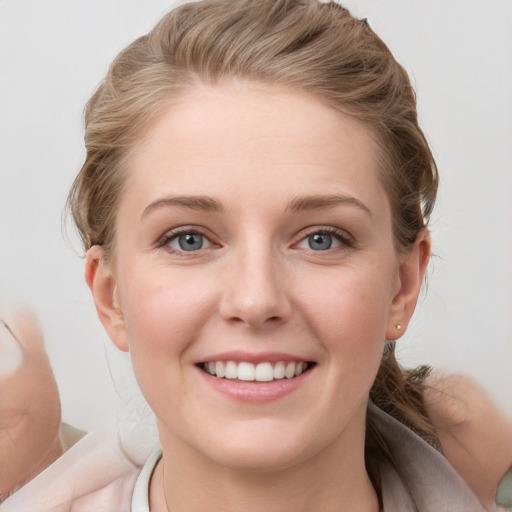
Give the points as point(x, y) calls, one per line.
point(307, 46)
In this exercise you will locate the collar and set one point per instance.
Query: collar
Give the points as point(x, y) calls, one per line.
point(426, 482)
point(140, 497)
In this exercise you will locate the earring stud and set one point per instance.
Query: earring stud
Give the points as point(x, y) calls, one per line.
point(398, 327)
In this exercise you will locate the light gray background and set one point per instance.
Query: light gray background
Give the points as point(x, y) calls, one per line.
point(459, 54)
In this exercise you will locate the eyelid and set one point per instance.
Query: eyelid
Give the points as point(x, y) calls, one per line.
point(345, 239)
point(171, 234)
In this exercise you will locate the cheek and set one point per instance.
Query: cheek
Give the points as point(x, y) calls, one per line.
point(163, 314)
point(349, 317)
point(160, 302)
point(352, 306)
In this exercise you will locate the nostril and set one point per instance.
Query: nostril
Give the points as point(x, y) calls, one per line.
point(261, 323)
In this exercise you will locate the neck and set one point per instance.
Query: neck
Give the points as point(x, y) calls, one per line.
point(333, 481)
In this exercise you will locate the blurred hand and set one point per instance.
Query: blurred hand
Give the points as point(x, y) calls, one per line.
point(475, 436)
point(30, 415)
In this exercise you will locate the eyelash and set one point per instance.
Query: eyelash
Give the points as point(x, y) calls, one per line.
point(346, 241)
point(165, 240)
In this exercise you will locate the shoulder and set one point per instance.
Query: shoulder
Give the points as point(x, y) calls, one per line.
point(416, 477)
point(475, 436)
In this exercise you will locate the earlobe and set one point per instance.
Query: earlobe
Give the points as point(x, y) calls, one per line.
point(103, 286)
point(412, 267)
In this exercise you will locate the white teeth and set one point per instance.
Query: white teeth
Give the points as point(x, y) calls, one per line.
point(231, 370)
point(220, 370)
point(246, 371)
point(262, 372)
point(279, 370)
point(289, 371)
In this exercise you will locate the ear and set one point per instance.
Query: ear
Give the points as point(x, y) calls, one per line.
point(412, 266)
point(103, 286)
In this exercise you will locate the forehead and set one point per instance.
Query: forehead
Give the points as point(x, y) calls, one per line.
point(249, 137)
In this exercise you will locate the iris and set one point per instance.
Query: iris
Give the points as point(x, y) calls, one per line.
point(320, 241)
point(190, 241)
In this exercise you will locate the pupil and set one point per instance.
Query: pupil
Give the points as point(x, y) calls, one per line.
point(190, 242)
point(320, 242)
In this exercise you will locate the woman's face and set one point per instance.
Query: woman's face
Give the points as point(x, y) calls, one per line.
point(253, 243)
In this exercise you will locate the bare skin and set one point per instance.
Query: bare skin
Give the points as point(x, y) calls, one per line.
point(233, 270)
point(31, 433)
point(254, 288)
point(476, 438)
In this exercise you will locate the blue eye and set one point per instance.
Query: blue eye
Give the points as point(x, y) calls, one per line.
point(320, 241)
point(190, 241)
point(325, 239)
point(185, 240)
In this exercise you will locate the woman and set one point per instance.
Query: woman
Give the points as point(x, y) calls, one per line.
point(253, 205)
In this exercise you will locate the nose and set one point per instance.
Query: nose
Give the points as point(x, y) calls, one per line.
point(255, 290)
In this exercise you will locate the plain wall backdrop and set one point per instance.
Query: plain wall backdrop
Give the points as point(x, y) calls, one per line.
point(53, 53)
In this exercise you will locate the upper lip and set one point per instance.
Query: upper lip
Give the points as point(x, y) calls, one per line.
point(251, 357)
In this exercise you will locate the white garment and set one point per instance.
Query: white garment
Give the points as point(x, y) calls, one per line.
point(430, 483)
point(95, 475)
point(140, 498)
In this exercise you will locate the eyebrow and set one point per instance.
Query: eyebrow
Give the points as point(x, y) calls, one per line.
point(308, 203)
point(202, 203)
point(305, 203)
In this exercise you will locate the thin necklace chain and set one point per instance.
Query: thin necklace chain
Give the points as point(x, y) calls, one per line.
point(164, 486)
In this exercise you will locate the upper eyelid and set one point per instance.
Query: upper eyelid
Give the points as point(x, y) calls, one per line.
point(331, 230)
point(174, 232)
point(171, 234)
point(164, 242)
point(181, 231)
point(345, 241)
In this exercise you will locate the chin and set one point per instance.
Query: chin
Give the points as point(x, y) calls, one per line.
point(258, 460)
point(262, 450)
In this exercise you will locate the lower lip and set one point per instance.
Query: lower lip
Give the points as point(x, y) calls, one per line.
point(256, 391)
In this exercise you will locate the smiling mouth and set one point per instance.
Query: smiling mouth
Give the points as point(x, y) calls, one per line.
point(261, 372)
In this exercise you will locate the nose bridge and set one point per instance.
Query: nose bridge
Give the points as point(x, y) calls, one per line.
point(255, 290)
